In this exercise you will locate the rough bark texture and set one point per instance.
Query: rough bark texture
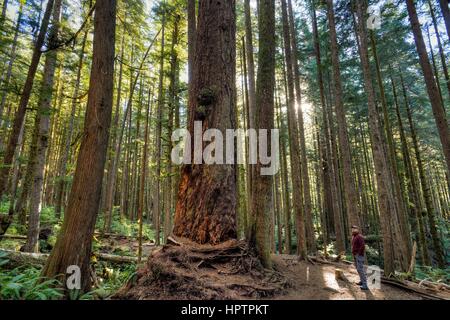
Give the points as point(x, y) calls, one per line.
point(73, 246)
point(206, 206)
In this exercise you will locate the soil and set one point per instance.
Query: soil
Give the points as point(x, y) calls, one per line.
point(183, 270)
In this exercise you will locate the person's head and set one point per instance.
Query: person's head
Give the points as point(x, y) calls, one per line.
point(355, 230)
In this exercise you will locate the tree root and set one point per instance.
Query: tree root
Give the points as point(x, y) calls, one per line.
point(185, 270)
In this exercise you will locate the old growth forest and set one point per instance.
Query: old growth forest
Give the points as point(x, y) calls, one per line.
point(354, 96)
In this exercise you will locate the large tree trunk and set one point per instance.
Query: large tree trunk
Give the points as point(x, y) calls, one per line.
point(73, 246)
point(351, 193)
point(262, 184)
point(24, 98)
point(206, 206)
point(45, 100)
point(432, 88)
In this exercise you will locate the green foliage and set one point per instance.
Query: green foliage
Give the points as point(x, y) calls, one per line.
point(25, 283)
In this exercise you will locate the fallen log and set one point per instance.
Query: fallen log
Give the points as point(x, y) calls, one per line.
point(411, 288)
point(13, 237)
point(17, 258)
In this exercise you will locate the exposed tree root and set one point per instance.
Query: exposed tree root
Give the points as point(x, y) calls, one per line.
point(185, 270)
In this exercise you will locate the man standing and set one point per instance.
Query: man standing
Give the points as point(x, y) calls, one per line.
point(358, 250)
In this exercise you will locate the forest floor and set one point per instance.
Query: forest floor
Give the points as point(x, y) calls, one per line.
point(318, 282)
point(231, 272)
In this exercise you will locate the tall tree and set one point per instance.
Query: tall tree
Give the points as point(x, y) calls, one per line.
point(294, 138)
point(262, 195)
point(43, 123)
point(351, 193)
point(206, 206)
point(388, 214)
point(432, 88)
point(73, 246)
point(24, 99)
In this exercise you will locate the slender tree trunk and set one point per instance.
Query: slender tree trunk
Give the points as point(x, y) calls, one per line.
point(73, 246)
point(12, 58)
point(350, 192)
point(44, 111)
point(158, 148)
point(66, 149)
point(441, 50)
point(24, 98)
point(311, 241)
point(432, 89)
point(143, 174)
point(384, 183)
point(425, 185)
point(294, 139)
point(446, 14)
point(415, 203)
point(262, 188)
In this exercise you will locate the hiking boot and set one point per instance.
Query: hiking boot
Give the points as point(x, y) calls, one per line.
point(359, 283)
point(364, 288)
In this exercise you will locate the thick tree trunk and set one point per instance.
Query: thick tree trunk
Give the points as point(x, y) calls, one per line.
point(206, 206)
point(432, 89)
point(73, 246)
point(24, 98)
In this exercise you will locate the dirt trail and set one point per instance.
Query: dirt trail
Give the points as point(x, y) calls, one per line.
point(230, 271)
point(317, 282)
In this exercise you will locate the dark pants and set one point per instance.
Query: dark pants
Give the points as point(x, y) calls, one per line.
point(359, 264)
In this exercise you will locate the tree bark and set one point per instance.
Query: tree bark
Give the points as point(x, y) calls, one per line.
point(73, 246)
point(206, 206)
point(44, 111)
point(294, 139)
point(384, 183)
point(262, 185)
point(350, 192)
